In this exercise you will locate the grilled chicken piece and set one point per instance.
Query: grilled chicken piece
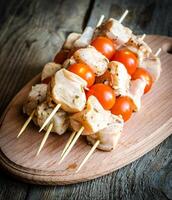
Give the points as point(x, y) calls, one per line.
point(139, 47)
point(85, 39)
point(136, 91)
point(94, 118)
point(120, 79)
point(60, 119)
point(70, 40)
point(67, 89)
point(115, 31)
point(108, 136)
point(153, 66)
point(49, 70)
point(36, 96)
point(94, 59)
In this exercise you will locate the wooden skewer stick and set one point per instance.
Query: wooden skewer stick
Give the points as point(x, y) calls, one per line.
point(100, 20)
point(123, 17)
point(68, 142)
point(158, 52)
point(143, 36)
point(72, 144)
point(45, 138)
point(26, 123)
point(50, 116)
point(88, 155)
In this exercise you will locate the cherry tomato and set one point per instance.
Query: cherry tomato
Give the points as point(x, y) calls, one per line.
point(84, 71)
point(61, 56)
point(123, 106)
point(127, 58)
point(104, 94)
point(142, 73)
point(104, 46)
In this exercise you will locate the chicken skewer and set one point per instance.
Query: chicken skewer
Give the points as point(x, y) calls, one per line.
point(74, 133)
point(82, 128)
point(36, 96)
point(38, 93)
point(59, 123)
point(59, 105)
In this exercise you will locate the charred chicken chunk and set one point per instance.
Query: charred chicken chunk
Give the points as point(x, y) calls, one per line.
point(49, 70)
point(115, 31)
point(60, 119)
point(93, 118)
point(108, 136)
point(67, 89)
point(94, 59)
point(36, 96)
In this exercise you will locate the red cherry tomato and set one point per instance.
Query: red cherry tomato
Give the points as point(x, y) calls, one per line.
point(84, 71)
point(128, 58)
point(104, 46)
point(104, 94)
point(142, 73)
point(123, 106)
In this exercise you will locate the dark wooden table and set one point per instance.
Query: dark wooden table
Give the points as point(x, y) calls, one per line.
point(31, 32)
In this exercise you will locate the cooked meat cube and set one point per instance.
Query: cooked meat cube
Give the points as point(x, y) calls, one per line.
point(68, 90)
point(60, 119)
point(139, 47)
point(120, 76)
point(49, 70)
point(94, 118)
point(115, 31)
point(36, 96)
point(72, 37)
point(136, 91)
point(153, 66)
point(85, 38)
point(108, 136)
point(94, 59)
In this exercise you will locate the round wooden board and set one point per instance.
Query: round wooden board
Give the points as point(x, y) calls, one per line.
point(143, 132)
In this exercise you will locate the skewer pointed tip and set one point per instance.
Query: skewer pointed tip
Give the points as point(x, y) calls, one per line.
point(68, 143)
point(26, 124)
point(71, 144)
point(88, 155)
point(45, 138)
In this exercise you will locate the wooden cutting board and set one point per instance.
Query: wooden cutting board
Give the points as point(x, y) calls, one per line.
point(143, 132)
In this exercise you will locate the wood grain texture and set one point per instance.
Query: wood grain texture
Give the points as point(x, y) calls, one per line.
point(147, 178)
point(143, 132)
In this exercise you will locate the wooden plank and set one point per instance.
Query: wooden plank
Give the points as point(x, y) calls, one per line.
point(153, 17)
point(12, 189)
